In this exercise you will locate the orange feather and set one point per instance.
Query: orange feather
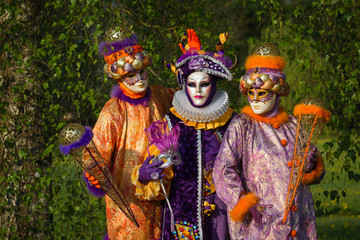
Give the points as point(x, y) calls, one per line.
point(274, 121)
point(313, 176)
point(313, 110)
point(274, 62)
point(238, 213)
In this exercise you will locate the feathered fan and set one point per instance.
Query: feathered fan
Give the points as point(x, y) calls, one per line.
point(311, 118)
point(167, 142)
point(76, 140)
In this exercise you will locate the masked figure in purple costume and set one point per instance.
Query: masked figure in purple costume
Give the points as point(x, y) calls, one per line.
point(202, 113)
point(253, 167)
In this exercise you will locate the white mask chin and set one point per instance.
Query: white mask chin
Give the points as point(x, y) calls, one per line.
point(199, 86)
point(263, 107)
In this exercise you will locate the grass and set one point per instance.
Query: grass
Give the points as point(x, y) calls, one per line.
point(338, 218)
point(338, 227)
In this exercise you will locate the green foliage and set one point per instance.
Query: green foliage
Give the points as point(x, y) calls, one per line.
point(76, 214)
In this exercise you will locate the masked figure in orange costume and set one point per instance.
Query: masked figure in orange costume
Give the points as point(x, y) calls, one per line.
point(119, 133)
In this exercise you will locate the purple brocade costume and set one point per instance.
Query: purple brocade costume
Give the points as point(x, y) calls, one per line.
point(188, 192)
point(252, 159)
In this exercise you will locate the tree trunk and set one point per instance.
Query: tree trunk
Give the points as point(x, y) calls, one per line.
point(23, 207)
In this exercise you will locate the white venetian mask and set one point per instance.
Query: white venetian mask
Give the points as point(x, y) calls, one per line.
point(136, 81)
point(198, 86)
point(261, 100)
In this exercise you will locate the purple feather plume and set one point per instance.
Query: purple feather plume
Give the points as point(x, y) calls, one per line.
point(107, 48)
point(160, 136)
point(82, 142)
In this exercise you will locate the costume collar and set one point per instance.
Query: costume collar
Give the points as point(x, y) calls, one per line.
point(131, 94)
point(280, 118)
point(119, 93)
point(215, 115)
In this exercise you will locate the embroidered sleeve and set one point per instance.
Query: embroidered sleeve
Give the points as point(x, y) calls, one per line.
point(106, 131)
point(227, 164)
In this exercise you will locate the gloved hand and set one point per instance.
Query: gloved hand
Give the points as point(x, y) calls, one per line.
point(93, 185)
point(150, 171)
point(312, 158)
point(255, 213)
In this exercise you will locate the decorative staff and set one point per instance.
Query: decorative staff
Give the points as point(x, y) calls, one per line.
point(76, 140)
point(311, 118)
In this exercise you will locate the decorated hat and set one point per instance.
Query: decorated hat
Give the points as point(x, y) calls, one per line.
point(196, 59)
point(122, 55)
point(264, 71)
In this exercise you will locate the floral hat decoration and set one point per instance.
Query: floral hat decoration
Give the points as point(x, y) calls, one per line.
point(122, 55)
point(264, 70)
point(194, 58)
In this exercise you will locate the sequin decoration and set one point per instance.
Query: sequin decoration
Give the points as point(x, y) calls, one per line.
point(185, 231)
point(267, 49)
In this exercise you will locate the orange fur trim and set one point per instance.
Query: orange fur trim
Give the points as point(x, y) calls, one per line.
point(313, 176)
point(130, 93)
point(274, 121)
point(238, 213)
point(110, 59)
point(274, 62)
point(312, 109)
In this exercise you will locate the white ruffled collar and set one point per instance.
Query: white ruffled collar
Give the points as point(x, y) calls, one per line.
point(213, 111)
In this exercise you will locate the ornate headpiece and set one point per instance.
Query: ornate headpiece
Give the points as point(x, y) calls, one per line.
point(122, 55)
point(196, 59)
point(264, 70)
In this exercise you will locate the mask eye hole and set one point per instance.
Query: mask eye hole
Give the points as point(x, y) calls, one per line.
point(191, 84)
point(262, 94)
point(250, 93)
point(205, 84)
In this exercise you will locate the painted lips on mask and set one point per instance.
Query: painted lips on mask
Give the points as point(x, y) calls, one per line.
point(198, 87)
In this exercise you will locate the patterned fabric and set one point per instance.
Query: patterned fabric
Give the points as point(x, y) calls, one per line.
point(120, 139)
point(253, 159)
point(190, 183)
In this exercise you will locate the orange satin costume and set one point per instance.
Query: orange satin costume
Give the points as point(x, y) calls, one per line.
point(120, 138)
